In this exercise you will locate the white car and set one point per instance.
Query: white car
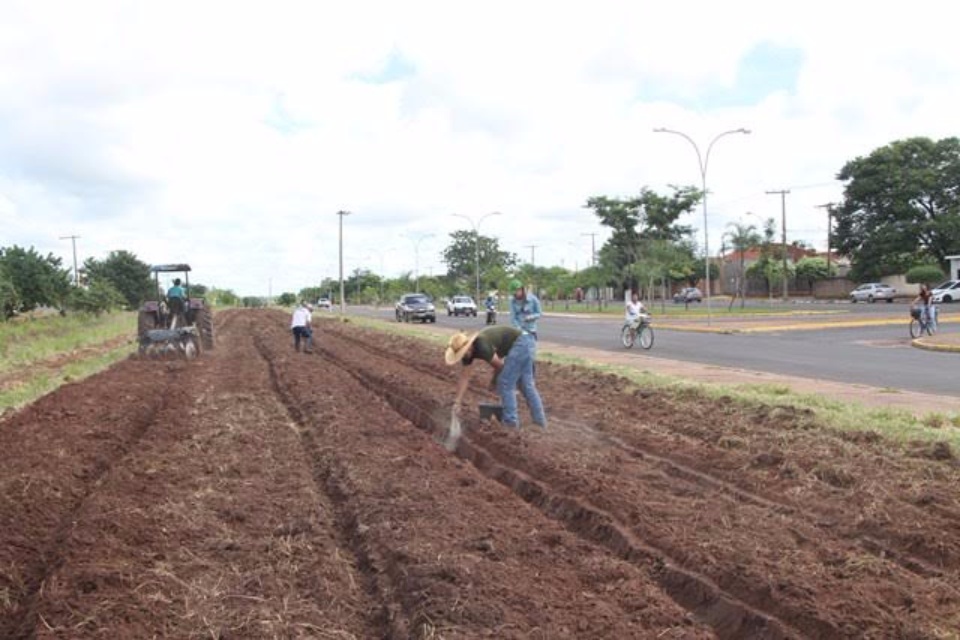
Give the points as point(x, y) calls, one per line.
point(324, 303)
point(873, 291)
point(461, 306)
point(948, 291)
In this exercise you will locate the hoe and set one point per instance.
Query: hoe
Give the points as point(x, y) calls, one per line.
point(173, 326)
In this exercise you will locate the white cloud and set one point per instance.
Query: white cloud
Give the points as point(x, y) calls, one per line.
point(229, 134)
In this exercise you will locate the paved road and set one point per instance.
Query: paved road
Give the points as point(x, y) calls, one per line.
point(879, 356)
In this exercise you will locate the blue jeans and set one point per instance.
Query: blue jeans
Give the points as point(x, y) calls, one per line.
point(518, 371)
point(303, 333)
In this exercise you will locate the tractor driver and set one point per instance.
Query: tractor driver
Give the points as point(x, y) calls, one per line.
point(176, 298)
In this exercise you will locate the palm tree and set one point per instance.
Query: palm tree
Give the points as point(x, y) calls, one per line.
point(741, 237)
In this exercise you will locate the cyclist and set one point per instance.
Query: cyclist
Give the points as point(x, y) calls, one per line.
point(924, 301)
point(633, 309)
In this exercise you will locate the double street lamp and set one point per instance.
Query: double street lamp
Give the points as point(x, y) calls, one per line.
point(702, 161)
point(416, 253)
point(476, 243)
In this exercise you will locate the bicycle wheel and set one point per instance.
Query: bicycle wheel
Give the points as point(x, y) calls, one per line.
point(646, 337)
point(915, 328)
point(627, 336)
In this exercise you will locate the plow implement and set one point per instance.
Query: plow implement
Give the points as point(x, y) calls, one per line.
point(181, 342)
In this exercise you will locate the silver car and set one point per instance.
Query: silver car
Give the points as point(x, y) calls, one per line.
point(873, 291)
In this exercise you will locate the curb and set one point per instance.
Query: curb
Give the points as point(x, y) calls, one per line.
point(927, 344)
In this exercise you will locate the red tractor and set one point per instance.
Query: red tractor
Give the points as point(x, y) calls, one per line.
point(175, 323)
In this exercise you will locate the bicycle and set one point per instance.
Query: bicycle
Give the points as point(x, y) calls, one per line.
point(921, 323)
point(638, 330)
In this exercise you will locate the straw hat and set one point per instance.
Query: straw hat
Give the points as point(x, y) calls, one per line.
point(457, 347)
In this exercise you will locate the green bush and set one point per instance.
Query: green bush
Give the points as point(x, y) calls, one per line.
point(925, 274)
point(100, 297)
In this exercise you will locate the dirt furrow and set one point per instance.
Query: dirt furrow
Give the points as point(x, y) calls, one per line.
point(724, 612)
point(739, 551)
point(55, 454)
point(331, 479)
point(213, 527)
point(460, 553)
point(658, 430)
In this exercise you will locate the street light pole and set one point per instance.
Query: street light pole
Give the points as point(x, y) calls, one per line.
point(416, 253)
point(593, 248)
point(703, 161)
point(341, 213)
point(476, 243)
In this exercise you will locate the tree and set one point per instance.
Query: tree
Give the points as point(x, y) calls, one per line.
point(36, 280)
point(648, 217)
point(9, 297)
point(100, 296)
point(811, 269)
point(222, 297)
point(900, 202)
point(286, 299)
point(123, 270)
point(742, 237)
point(662, 261)
point(460, 256)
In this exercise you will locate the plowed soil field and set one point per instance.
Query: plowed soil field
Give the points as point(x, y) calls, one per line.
point(262, 493)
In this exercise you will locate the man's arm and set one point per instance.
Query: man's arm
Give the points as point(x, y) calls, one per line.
point(462, 383)
point(534, 309)
point(497, 364)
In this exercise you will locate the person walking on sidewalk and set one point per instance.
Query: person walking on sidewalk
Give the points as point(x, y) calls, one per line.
point(511, 353)
point(301, 326)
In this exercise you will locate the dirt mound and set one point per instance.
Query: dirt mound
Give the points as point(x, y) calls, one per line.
point(258, 492)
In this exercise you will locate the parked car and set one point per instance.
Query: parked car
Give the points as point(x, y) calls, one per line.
point(415, 306)
point(461, 306)
point(324, 303)
point(688, 294)
point(873, 291)
point(948, 291)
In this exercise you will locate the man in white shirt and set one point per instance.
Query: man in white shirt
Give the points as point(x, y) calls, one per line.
point(300, 324)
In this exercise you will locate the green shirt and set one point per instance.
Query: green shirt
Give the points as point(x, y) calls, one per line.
point(493, 340)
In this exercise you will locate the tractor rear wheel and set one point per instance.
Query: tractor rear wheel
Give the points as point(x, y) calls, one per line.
point(146, 320)
point(205, 326)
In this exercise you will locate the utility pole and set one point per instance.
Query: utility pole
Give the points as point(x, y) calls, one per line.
point(829, 207)
point(593, 248)
point(532, 247)
point(783, 204)
point(73, 240)
point(341, 213)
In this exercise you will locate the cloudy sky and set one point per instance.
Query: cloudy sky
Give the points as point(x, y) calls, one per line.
point(228, 134)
